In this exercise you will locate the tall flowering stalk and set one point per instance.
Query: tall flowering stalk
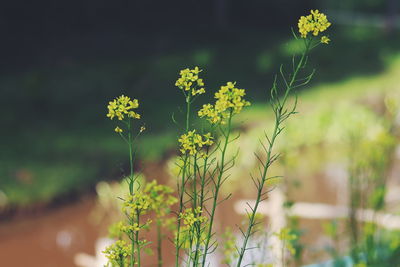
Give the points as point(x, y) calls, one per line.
point(310, 27)
point(229, 102)
point(191, 144)
point(142, 199)
point(122, 108)
point(200, 171)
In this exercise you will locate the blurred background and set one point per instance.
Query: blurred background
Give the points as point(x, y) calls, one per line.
point(61, 62)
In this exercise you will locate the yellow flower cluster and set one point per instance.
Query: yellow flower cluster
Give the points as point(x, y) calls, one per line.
point(161, 198)
point(192, 142)
point(314, 23)
point(192, 216)
point(190, 81)
point(126, 228)
point(135, 227)
point(117, 252)
point(122, 106)
point(136, 204)
point(120, 227)
point(229, 99)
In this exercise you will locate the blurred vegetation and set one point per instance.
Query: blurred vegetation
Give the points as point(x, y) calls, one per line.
point(55, 136)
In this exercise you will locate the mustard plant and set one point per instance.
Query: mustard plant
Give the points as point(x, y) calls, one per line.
point(203, 163)
point(309, 27)
point(142, 199)
point(190, 221)
point(122, 108)
point(230, 102)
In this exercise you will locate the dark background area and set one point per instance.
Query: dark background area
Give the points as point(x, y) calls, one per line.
point(61, 62)
point(56, 54)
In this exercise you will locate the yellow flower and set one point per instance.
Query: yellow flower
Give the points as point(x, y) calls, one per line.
point(325, 40)
point(139, 203)
point(142, 129)
point(118, 130)
point(119, 251)
point(192, 142)
point(229, 99)
point(190, 81)
point(161, 198)
point(314, 23)
point(191, 216)
point(122, 106)
point(126, 228)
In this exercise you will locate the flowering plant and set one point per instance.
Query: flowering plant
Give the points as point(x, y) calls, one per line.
point(203, 162)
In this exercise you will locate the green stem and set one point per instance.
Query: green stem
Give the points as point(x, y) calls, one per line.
point(182, 191)
point(201, 203)
point(137, 240)
point(203, 180)
point(130, 144)
point(259, 195)
point(194, 182)
point(277, 130)
point(198, 240)
point(187, 112)
point(159, 243)
point(217, 187)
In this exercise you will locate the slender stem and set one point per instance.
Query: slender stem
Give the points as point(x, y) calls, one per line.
point(277, 129)
point(217, 187)
point(198, 240)
point(259, 195)
point(159, 243)
point(194, 182)
point(137, 240)
point(194, 205)
point(182, 189)
point(190, 245)
point(201, 203)
point(187, 112)
point(181, 194)
point(130, 144)
point(203, 180)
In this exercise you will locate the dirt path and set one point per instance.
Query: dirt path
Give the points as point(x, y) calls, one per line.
point(50, 239)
